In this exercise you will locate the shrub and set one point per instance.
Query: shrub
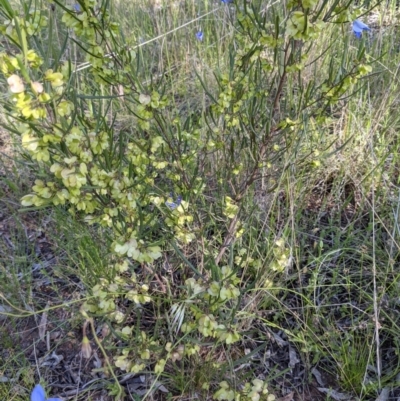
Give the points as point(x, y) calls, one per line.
point(147, 187)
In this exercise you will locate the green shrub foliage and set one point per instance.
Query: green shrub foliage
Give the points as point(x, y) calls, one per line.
point(147, 184)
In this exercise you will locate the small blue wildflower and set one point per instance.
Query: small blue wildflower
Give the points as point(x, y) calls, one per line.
point(38, 394)
point(174, 205)
point(199, 36)
point(227, 1)
point(77, 8)
point(359, 27)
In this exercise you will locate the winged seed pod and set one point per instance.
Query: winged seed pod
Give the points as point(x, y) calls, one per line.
point(15, 83)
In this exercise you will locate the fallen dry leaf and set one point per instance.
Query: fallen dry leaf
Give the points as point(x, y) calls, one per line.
point(287, 397)
point(43, 324)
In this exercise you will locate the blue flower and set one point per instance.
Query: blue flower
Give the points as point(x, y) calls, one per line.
point(359, 27)
point(199, 36)
point(38, 394)
point(227, 1)
point(174, 205)
point(77, 8)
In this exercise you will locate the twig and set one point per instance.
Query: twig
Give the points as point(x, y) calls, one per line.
point(228, 239)
point(97, 341)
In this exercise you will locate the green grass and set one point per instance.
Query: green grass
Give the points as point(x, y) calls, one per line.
point(317, 265)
